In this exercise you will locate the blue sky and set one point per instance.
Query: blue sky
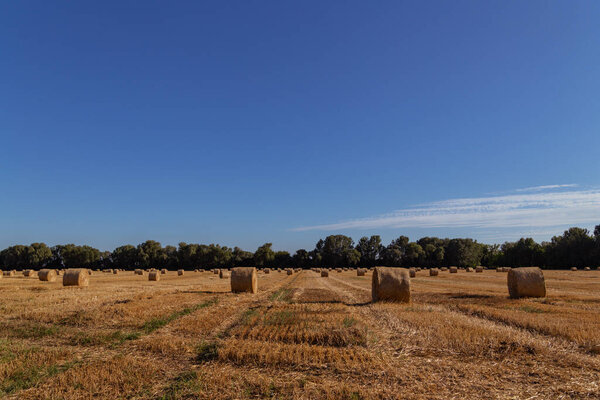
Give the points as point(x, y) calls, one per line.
point(245, 122)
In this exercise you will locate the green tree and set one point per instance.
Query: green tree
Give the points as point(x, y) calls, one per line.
point(370, 249)
point(264, 255)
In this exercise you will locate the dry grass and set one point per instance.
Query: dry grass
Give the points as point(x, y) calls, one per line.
point(299, 337)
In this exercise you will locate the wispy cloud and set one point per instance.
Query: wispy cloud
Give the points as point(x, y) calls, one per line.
point(531, 210)
point(546, 187)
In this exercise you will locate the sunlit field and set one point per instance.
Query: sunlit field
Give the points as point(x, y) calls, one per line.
point(302, 336)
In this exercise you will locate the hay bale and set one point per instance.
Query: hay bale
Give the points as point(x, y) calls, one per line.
point(444, 269)
point(469, 269)
point(324, 273)
point(587, 269)
point(163, 271)
point(223, 273)
point(216, 271)
point(453, 270)
point(479, 269)
point(289, 272)
point(28, 273)
point(412, 272)
point(179, 272)
point(434, 272)
point(526, 282)
point(76, 277)
point(573, 268)
point(115, 271)
point(139, 272)
point(267, 271)
point(338, 270)
point(390, 284)
point(360, 272)
point(154, 275)
point(243, 279)
point(47, 275)
point(10, 273)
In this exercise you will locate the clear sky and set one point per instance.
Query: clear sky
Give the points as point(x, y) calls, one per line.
point(245, 122)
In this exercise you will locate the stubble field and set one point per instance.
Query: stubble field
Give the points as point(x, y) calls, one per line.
point(301, 337)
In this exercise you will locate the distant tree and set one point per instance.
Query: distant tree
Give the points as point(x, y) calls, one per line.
point(282, 259)
point(151, 255)
point(264, 255)
point(241, 258)
point(414, 255)
point(370, 249)
point(125, 257)
point(301, 259)
point(79, 256)
point(574, 248)
point(339, 251)
point(394, 253)
point(463, 252)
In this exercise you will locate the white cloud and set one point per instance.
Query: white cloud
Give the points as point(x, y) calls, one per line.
point(532, 210)
point(546, 187)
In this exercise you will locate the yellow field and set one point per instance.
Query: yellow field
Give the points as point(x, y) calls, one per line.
point(301, 337)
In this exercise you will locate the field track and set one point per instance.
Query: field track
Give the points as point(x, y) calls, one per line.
point(300, 337)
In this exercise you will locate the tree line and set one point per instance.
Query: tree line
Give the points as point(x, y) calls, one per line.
point(576, 247)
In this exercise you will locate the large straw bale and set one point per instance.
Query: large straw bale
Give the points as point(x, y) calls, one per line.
point(434, 272)
point(223, 273)
point(412, 272)
point(154, 275)
point(324, 273)
point(453, 270)
point(179, 272)
point(289, 271)
point(47, 275)
point(243, 279)
point(360, 272)
point(526, 282)
point(479, 269)
point(76, 277)
point(390, 284)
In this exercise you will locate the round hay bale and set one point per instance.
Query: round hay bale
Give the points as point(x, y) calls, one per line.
point(573, 268)
point(216, 271)
point(444, 269)
point(243, 279)
point(163, 271)
point(139, 272)
point(10, 273)
point(412, 272)
point(47, 275)
point(115, 271)
point(338, 270)
point(223, 273)
point(453, 270)
point(324, 273)
point(479, 269)
point(267, 271)
point(154, 275)
point(390, 284)
point(28, 273)
point(289, 272)
point(360, 272)
point(526, 282)
point(76, 277)
point(434, 272)
point(179, 272)
point(469, 269)
point(587, 269)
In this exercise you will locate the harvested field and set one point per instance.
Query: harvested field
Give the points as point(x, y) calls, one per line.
point(300, 337)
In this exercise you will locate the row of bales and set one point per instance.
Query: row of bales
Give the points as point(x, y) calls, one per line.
point(388, 283)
